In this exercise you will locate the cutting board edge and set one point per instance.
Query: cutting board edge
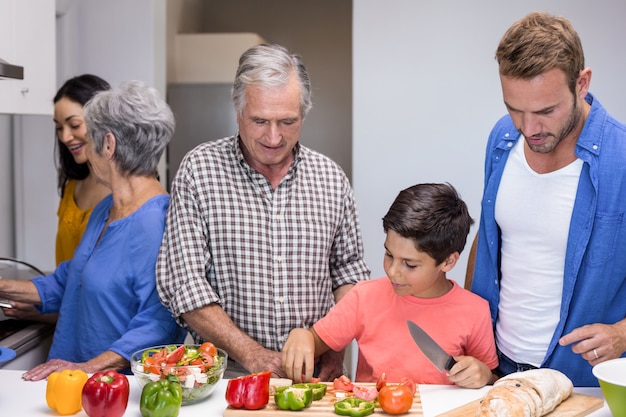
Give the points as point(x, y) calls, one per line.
point(469, 409)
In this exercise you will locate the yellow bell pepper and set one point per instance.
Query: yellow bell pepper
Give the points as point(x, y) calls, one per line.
point(64, 391)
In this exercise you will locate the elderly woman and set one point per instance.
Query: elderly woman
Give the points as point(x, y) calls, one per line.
point(106, 295)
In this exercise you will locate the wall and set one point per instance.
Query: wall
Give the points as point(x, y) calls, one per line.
point(320, 31)
point(427, 92)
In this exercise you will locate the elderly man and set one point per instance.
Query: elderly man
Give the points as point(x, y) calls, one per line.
point(262, 233)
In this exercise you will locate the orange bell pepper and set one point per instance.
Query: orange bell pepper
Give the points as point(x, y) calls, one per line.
point(64, 391)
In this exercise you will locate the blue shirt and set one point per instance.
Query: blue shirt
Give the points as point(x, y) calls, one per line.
point(106, 294)
point(594, 281)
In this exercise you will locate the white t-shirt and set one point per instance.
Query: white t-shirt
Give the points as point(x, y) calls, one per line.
point(533, 212)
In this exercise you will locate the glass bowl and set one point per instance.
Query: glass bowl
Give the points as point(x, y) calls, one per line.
point(198, 377)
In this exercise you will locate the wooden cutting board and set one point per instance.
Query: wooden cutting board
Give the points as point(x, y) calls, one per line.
point(577, 405)
point(320, 408)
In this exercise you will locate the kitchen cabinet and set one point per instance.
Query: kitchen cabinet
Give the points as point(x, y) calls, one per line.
point(28, 39)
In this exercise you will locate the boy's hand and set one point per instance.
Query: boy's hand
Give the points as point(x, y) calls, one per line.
point(298, 355)
point(469, 372)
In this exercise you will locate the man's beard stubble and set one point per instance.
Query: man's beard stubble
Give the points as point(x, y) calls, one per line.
point(569, 126)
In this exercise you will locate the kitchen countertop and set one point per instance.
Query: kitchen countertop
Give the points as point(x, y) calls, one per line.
point(22, 398)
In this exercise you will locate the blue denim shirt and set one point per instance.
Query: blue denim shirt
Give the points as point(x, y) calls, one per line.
point(594, 282)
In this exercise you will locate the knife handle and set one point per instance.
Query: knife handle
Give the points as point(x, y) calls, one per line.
point(451, 362)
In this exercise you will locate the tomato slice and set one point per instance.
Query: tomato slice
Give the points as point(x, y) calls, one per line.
point(159, 357)
point(343, 383)
point(176, 355)
point(207, 359)
point(365, 393)
point(382, 381)
point(149, 365)
point(409, 383)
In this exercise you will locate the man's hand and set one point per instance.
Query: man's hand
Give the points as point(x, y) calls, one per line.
point(330, 365)
point(265, 360)
point(597, 342)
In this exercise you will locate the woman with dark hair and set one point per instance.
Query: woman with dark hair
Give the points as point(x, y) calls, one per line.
point(79, 189)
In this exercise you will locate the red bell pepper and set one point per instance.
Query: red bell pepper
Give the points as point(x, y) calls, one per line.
point(251, 392)
point(106, 394)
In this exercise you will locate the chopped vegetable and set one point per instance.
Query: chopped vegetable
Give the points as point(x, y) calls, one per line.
point(292, 398)
point(354, 407)
point(343, 383)
point(318, 390)
point(367, 393)
point(199, 367)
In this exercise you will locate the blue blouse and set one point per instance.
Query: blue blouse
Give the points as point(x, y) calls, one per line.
point(106, 295)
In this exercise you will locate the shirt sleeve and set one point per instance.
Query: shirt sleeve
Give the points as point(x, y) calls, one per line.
point(347, 265)
point(184, 256)
point(51, 289)
point(339, 326)
point(481, 344)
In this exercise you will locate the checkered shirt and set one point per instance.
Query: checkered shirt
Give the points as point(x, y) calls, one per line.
point(270, 257)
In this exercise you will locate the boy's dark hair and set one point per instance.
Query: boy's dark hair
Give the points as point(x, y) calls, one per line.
point(433, 216)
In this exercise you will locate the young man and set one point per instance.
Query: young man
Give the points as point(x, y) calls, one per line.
point(550, 256)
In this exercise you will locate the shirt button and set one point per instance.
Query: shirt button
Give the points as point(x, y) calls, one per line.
point(278, 217)
point(595, 147)
point(280, 299)
point(509, 144)
point(278, 258)
point(506, 135)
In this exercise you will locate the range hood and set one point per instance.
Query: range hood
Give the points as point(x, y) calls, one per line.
point(11, 71)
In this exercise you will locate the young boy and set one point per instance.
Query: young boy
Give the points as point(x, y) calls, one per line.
point(426, 227)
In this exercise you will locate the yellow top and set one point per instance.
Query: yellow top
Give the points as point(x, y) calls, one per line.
point(72, 224)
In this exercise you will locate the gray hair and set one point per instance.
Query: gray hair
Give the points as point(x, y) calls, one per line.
point(140, 120)
point(270, 65)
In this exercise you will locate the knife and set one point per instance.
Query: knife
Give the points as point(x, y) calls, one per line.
point(430, 348)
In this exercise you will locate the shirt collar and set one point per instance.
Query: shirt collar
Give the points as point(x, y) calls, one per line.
point(238, 154)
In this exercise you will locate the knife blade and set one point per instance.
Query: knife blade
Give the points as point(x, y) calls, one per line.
point(430, 348)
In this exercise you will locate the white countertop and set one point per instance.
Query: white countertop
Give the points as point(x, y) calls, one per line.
point(22, 398)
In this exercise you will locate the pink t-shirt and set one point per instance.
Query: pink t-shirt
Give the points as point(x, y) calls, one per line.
point(376, 317)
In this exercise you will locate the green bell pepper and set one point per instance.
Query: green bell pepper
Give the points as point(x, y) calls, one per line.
point(354, 407)
point(294, 399)
point(318, 390)
point(161, 398)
